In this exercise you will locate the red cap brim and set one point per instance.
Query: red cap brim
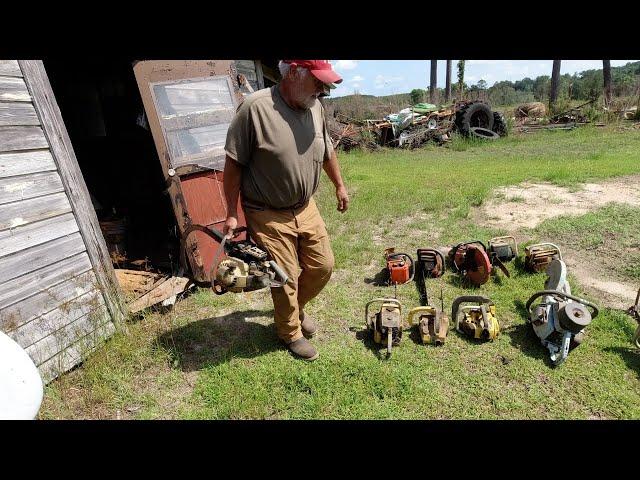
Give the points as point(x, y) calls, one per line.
point(326, 76)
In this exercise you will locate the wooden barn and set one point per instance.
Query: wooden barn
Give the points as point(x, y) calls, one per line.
point(103, 164)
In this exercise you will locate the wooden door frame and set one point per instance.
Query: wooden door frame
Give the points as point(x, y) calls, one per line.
point(154, 71)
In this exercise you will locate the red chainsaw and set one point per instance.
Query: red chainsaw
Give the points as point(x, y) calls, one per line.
point(472, 261)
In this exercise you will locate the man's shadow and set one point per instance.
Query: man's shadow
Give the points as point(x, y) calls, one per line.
point(212, 341)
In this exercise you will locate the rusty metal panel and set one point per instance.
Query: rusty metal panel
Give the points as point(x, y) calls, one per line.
point(197, 198)
point(204, 197)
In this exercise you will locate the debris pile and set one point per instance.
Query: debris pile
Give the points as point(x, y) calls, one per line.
point(414, 126)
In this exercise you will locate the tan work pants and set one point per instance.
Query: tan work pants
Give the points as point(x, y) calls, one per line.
point(298, 241)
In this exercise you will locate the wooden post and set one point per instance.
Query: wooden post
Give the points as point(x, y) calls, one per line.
point(35, 77)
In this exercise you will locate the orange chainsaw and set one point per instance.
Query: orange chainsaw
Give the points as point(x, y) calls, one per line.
point(399, 266)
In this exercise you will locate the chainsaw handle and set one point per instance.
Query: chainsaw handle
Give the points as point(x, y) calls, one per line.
point(558, 293)
point(506, 237)
point(467, 298)
point(380, 300)
point(414, 311)
point(432, 250)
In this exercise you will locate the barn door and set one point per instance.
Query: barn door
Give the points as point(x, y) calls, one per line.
point(189, 106)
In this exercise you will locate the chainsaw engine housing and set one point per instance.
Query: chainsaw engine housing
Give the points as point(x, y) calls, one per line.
point(386, 323)
point(478, 321)
point(538, 257)
point(504, 248)
point(433, 326)
point(399, 266)
point(471, 260)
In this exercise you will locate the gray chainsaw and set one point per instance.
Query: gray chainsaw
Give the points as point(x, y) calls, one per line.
point(560, 318)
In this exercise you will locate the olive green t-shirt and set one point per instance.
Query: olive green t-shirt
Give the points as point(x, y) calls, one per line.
point(280, 149)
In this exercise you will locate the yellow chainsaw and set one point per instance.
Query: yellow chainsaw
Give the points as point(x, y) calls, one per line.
point(478, 321)
point(433, 326)
point(386, 323)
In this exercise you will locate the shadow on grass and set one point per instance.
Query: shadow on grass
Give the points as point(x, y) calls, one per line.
point(216, 340)
point(630, 355)
point(378, 349)
point(524, 338)
point(381, 279)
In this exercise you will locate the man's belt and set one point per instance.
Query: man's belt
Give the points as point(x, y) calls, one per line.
point(264, 206)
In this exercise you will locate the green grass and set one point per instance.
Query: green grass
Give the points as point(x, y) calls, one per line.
point(218, 357)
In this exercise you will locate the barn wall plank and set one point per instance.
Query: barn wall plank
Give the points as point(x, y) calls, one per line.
point(10, 68)
point(34, 209)
point(24, 163)
point(13, 89)
point(18, 113)
point(14, 189)
point(21, 138)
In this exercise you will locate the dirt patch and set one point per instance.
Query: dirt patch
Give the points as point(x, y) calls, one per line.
point(522, 207)
point(529, 204)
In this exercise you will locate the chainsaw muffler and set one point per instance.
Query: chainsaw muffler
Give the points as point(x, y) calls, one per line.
point(537, 257)
point(478, 321)
point(386, 323)
point(560, 318)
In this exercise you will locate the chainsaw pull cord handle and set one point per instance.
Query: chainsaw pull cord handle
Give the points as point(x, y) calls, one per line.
point(214, 265)
point(558, 293)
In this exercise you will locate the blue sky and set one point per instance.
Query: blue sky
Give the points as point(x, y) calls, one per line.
point(388, 77)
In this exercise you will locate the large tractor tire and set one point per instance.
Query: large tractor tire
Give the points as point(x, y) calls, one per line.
point(474, 115)
point(499, 124)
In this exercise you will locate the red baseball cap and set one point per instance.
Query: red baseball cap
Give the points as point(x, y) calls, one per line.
point(321, 69)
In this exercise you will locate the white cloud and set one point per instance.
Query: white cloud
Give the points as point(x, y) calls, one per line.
point(357, 78)
point(484, 62)
point(383, 80)
point(345, 65)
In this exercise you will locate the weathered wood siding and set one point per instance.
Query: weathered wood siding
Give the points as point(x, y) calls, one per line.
point(52, 288)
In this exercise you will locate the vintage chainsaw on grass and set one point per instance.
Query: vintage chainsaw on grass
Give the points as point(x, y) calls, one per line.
point(635, 313)
point(433, 326)
point(246, 267)
point(537, 257)
point(479, 320)
point(560, 319)
point(474, 263)
point(386, 323)
point(399, 266)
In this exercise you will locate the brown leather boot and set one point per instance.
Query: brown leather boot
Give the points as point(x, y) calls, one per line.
point(303, 349)
point(308, 325)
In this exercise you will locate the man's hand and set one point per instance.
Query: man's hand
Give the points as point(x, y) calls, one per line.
point(343, 198)
point(230, 224)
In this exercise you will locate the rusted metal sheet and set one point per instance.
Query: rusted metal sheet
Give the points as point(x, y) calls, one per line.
point(197, 198)
point(204, 196)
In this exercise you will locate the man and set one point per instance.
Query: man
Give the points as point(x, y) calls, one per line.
point(276, 147)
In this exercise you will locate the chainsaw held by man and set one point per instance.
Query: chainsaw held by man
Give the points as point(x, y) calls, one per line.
point(634, 311)
point(246, 267)
point(560, 318)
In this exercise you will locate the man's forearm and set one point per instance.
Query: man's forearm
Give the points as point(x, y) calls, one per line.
point(332, 168)
point(231, 184)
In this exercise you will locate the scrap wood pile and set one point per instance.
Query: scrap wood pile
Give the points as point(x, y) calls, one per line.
point(349, 135)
